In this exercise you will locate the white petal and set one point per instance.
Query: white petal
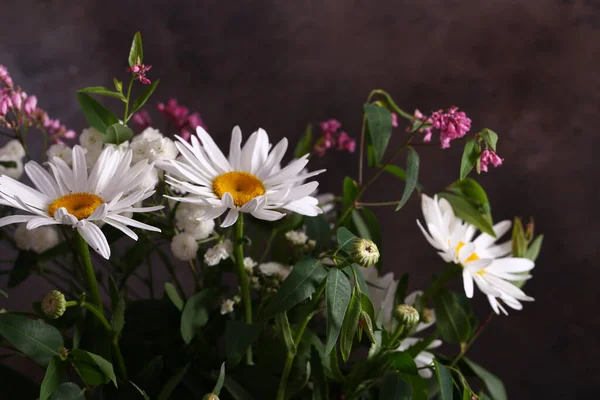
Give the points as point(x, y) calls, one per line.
point(132, 222)
point(230, 219)
point(512, 264)
point(122, 228)
point(79, 169)
point(212, 150)
point(484, 240)
point(94, 237)
point(468, 283)
point(268, 215)
point(41, 221)
point(16, 219)
point(235, 148)
point(42, 180)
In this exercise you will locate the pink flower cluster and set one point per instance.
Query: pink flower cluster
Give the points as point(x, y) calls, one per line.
point(490, 157)
point(177, 115)
point(333, 137)
point(18, 110)
point(139, 70)
point(453, 124)
point(423, 124)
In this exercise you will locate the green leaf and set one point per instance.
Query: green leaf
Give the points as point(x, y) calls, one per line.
point(52, 379)
point(68, 391)
point(102, 91)
point(36, 339)
point(394, 387)
point(238, 337)
point(452, 320)
point(174, 296)
point(140, 391)
point(337, 292)
point(94, 359)
point(350, 192)
point(22, 268)
point(402, 362)
point(349, 326)
point(143, 98)
point(360, 225)
point(302, 282)
point(489, 137)
point(470, 156)
point(519, 242)
point(113, 291)
point(474, 193)
point(3, 293)
point(362, 284)
point(118, 317)
point(137, 50)
point(8, 164)
point(317, 228)
point(118, 85)
point(195, 313)
point(412, 174)
point(419, 387)
point(493, 384)
point(172, 383)
point(444, 379)
point(344, 239)
point(283, 325)
point(468, 213)
point(219, 385)
point(235, 390)
point(320, 387)
point(402, 289)
point(367, 326)
point(533, 251)
point(379, 123)
point(96, 114)
point(304, 145)
point(366, 305)
point(117, 134)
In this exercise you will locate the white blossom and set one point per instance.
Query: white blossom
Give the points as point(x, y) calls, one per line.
point(13, 149)
point(61, 151)
point(184, 247)
point(275, 269)
point(92, 140)
point(297, 238)
point(227, 306)
point(249, 264)
point(219, 252)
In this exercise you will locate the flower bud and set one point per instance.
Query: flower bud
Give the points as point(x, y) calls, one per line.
point(54, 304)
point(427, 315)
point(407, 315)
point(364, 252)
point(210, 396)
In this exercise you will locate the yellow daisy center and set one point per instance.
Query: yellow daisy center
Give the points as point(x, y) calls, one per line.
point(242, 186)
point(472, 257)
point(79, 205)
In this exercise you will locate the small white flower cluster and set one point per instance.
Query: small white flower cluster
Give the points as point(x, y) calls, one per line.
point(219, 252)
point(227, 306)
point(12, 151)
point(38, 240)
point(249, 264)
point(275, 270)
point(184, 246)
point(297, 238)
point(187, 220)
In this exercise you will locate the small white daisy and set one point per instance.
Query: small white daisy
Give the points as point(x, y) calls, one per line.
point(424, 358)
point(249, 181)
point(70, 197)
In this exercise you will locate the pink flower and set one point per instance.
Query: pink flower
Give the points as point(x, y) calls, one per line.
point(4, 76)
point(489, 156)
point(139, 70)
point(452, 125)
point(180, 116)
point(419, 120)
point(331, 125)
point(30, 105)
point(70, 134)
point(394, 120)
point(5, 105)
point(142, 119)
point(195, 121)
point(333, 138)
point(345, 142)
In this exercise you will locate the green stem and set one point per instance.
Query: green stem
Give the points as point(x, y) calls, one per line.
point(97, 313)
point(192, 264)
point(450, 272)
point(289, 361)
point(377, 203)
point(89, 275)
point(466, 348)
point(268, 246)
point(126, 117)
point(243, 276)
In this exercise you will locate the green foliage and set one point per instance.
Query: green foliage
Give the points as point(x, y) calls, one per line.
point(534, 249)
point(143, 98)
point(36, 339)
point(172, 383)
point(136, 53)
point(196, 312)
point(494, 385)
point(379, 124)
point(466, 211)
point(68, 391)
point(394, 387)
point(317, 228)
point(238, 337)
point(444, 380)
point(93, 368)
point(489, 137)
point(102, 91)
point(471, 154)
point(412, 174)
point(304, 145)
point(338, 293)
point(52, 378)
point(117, 134)
point(452, 320)
point(350, 325)
point(219, 385)
point(98, 116)
point(174, 296)
point(118, 318)
point(26, 260)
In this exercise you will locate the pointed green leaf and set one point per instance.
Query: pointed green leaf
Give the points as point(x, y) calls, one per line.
point(394, 387)
point(238, 337)
point(143, 98)
point(140, 391)
point(344, 239)
point(350, 192)
point(117, 134)
point(172, 383)
point(379, 124)
point(304, 145)
point(338, 292)
point(195, 313)
point(468, 213)
point(3, 293)
point(68, 391)
point(102, 91)
point(174, 296)
point(118, 85)
point(362, 284)
point(367, 325)
point(452, 320)
point(519, 242)
point(98, 116)
point(402, 289)
point(489, 137)
point(474, 193)
point(136, 52)
point(52, 378)
point(103, 365)
point(36, 339)
point(283, 325)
point(419, 387)
point(402, 362)
point(361, 226)
point(219, 385)
point(399, 173)
point(412, 174)
point(533, 251)
point(444, 379)
point(470, 156)
point(118, 317)
point(493, 384)
point(349, 326)
point(302, 282)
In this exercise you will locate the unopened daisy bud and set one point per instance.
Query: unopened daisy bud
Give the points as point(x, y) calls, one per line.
point(364, 252)
point(54, 304)
point(407, 315)
point(211, 396)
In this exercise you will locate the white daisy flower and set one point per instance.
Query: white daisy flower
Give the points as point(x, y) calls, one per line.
point(70, 197)
point(16, 171)
point(248, 181)
point(13, 149)
point(148, 134)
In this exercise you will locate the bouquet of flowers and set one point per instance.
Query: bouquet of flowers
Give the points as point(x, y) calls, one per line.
point(267, 290)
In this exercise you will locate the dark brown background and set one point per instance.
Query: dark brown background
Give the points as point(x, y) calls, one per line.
point(527, 69)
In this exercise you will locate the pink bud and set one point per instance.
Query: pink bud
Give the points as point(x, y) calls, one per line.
point(394, 120)
point(16, 100)
point(30, 105)
point(5, 105)
point(70, 134)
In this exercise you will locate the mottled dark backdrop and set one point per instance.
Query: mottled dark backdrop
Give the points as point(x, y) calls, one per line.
point(527, 69)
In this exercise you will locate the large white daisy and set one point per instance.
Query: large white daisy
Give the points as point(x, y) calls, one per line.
point(250, 180)
point(70, 197)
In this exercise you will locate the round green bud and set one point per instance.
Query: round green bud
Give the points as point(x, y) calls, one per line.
point(54, 304)
point(406, 315)
point(364, 252)
point(427, 315)
point(210, 396)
